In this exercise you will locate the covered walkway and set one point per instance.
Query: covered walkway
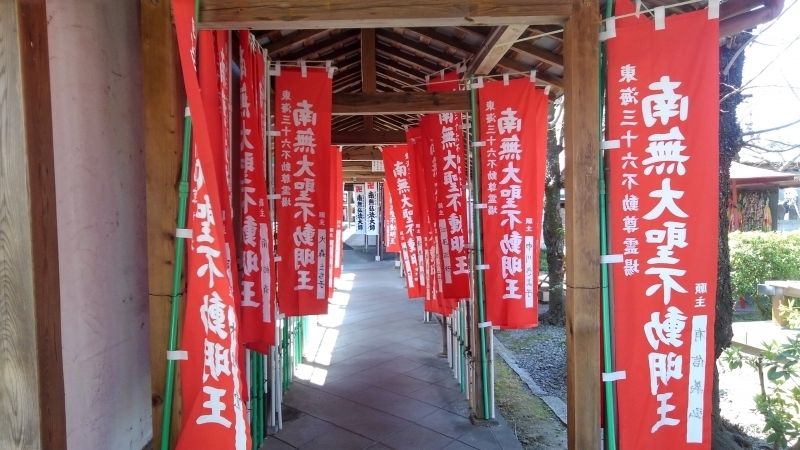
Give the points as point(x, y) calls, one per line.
point(372, 377)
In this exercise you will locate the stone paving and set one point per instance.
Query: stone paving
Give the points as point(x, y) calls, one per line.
point(372, 378)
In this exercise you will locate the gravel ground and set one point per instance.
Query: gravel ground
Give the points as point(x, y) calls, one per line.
point(542, 352)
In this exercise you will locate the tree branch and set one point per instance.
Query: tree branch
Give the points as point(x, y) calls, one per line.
point(750, 133)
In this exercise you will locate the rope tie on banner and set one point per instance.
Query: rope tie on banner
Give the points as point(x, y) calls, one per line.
point(505, 79)
point(610, 144)
point(183, 233)
point(611, 29)
point(533, 76)
point(611, 259)
point(177, 355)
point(276, 71)
point(659, 16)
point(609, 377)
point(303, 69)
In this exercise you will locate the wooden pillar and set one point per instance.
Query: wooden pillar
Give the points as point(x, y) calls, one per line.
point(31, 369)
point(581, 53)
point(163, 126)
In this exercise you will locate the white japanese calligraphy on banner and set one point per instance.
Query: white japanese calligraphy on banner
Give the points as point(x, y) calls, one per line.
point(663, 199)
point(360, 201)
point(371, 219)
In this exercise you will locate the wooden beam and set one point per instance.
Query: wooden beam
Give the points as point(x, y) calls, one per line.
point(319, 14)
point(466, 49)
point(400, 103)
point(32, 411)
point(357, 166)
point(399, 40)
point(361, 138)
point(546, 56)
point(319, 49)
point(278, 46)
point(409, 59)
point(163, 119)
point(494, 48)
point(581, 52)
point(368, 68)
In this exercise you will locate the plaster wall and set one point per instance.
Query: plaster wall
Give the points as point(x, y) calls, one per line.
point(95, 75)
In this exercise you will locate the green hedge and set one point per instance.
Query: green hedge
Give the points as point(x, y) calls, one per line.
point(758, 256)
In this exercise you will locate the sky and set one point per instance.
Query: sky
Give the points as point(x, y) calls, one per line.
point(772, 79)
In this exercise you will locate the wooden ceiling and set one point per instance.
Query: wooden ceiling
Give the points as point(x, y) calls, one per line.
point(377, 61)
point(400, 59)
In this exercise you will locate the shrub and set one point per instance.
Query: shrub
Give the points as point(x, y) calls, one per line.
point(779, 400)
point(758, 256)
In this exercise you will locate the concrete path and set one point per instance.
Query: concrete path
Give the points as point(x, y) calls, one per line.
point(372, 378)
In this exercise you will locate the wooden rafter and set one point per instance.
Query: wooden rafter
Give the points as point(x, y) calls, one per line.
point(409, 59)
point(291, 39)
point(319, 49)
point(494, 48)
point(543, 55)
point(400, 103)
point(463, 48)
point(418, 48)
point(362, 138)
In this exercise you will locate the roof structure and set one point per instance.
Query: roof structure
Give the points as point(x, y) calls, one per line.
point(380, 61)
point(748, 176)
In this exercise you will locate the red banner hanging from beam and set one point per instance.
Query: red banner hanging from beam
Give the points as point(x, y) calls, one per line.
point(513, 119)
point(338, 188)
point(663, 166)
point(303, 118)
point(389, 222)
point(401, 185)
point(447, 138)
point(211, 381)
point(257, 277)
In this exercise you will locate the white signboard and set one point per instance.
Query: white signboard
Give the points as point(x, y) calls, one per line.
point(377, 165)
point(373, 216)
point(360, 200)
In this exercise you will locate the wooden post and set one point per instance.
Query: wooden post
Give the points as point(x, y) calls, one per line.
point(581, 57)
point(163, 118)
point(31, 369)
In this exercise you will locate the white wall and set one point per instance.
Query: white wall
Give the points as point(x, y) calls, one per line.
point(95, 76)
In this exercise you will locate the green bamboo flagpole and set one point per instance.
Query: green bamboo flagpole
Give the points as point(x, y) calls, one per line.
point(478, 256)
point(608, 349)
point(177, 273)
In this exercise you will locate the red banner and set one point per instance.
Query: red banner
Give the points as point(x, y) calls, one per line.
point(663, 175)
point(400, 182)
point(303, 100)
point(257, 277)
point(334, 216)
point(513, 119)
point(447, 138)
point(389, 222)
point(211, 382)
point(338, 188)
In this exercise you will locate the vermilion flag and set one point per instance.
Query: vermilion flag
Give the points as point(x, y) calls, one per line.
point(663, 118)
point(513, 121)
point(214, 415)
point(303, 101)
point(400, 183)
point(444, 130)
point(256, 260)
point(390, 223)
point(338, 188)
